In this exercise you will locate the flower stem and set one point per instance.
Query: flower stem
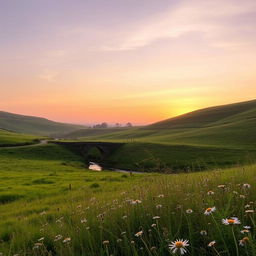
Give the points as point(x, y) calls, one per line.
point(233, 233)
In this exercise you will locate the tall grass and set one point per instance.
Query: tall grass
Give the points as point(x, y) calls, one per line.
point(143, 218)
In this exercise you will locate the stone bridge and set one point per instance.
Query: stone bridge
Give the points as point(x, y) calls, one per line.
point(82, 148)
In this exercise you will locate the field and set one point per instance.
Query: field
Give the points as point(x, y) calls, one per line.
point(34, 125)
point(11, 138)
point(53, 205)
point(204, 139)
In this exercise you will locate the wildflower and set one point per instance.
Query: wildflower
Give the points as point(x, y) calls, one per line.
point(153, 225)
point(106, 242)
point(244, 241)
point(66, 240)
point(245, 231)
point(179, 246)
point(210, 210)
point(137, 201)
point(212, 243)
point(231, 221)
point(83, 220)
point(249, 211)
point(37, 245)
point(57, 238)
point(132, 242)
point(119, 240)
point(153, 248)
point(123, 233)
point(124, 217)
point(189, 211)
point(247, 206)
point(156, 217)
point(210, 193)
point(221, 186)
point(247, 227)
point(246, 185)
point(203, 233)
point(161, 196)
point(40, 239)
point(138, 234)
point(159, 206)
point(242, 196)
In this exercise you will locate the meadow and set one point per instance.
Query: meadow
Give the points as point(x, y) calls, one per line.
point(8, 138)
point(215, 137)
point(51, 204)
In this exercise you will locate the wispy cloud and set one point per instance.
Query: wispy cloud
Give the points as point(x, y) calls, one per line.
point(212, 18)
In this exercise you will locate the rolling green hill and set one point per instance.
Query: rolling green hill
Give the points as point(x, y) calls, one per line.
point(92, 132)
point(210, 116)
point(207, 138)
point(34, 125)
point(8, 138)
point(228, 126)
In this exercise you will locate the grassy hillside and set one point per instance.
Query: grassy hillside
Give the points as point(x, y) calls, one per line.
point(11, 138)
point(34, 125)
point(209, 116)
point(148, 157)
point(208, 138)
point(107, 213)
point(95, 132)
point(229, 126)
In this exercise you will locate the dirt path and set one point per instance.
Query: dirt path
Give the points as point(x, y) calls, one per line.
point(41, 142)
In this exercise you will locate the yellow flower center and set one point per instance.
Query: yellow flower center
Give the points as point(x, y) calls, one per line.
point(231, 221)
point(246, 239)
point(208, 209)
point(178, 244)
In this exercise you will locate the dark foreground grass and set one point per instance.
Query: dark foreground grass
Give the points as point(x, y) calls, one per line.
point(148, 157)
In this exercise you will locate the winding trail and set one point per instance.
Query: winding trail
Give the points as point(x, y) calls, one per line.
point(41, 142)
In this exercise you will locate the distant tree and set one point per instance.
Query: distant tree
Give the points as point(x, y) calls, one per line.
point(129, 124)
point(118, 125)
point(102, 125)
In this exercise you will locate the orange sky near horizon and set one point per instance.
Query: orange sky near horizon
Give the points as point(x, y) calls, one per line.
point(96, 62)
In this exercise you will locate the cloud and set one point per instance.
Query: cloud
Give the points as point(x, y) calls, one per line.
point(48, 75)
point(214, 19)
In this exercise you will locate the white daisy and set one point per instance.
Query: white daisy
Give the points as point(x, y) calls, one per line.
point(210, 210)
point(244, 241)
point(231, 221)
point(189, 211)
point(246, 185)
point(139, 233)
point(179, 246)
point(212, 243)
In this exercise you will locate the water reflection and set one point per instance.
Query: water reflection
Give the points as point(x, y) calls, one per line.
point(95, 167)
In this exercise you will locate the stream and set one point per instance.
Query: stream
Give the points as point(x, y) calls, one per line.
point(97, 167)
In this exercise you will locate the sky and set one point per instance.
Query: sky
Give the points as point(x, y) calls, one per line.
point(89, 61)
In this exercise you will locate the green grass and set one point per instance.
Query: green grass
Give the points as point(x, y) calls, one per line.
point(208, 138)
point(34, 125)
point(99, 208)
point(12, 139)
point(176, 158)
point(47, 194)
point(229, 126)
